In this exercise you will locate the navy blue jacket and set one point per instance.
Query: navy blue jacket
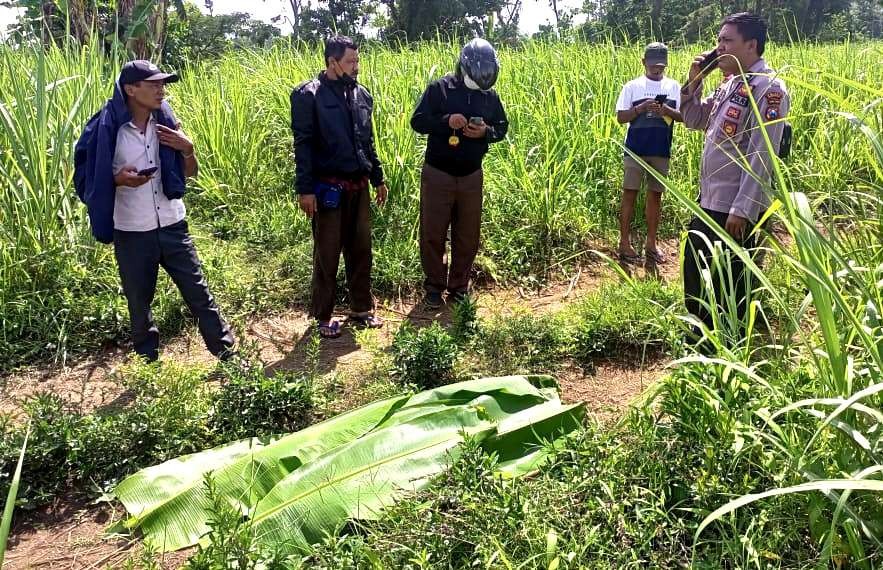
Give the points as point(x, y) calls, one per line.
point(93, 162)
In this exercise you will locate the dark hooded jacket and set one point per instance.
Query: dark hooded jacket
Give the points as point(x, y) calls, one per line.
point(93, 162)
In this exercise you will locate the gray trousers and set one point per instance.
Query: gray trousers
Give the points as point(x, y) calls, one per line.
point(139, 256)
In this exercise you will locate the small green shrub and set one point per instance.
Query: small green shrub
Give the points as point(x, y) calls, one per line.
point(172, 413)
point(426, 358)
point(45, 466)
point(464, 318)
point(618, 318)
point(250, 404)
point(68, 447)
point(231, 541)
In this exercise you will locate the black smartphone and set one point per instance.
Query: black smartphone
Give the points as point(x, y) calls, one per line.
point(709, 63)
point(148, 171)
point(661, 98)
point(476, 120)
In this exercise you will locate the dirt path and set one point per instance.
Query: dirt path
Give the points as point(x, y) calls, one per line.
point(70, 533)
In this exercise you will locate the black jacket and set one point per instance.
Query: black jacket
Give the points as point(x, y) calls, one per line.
point(443, 98)
point(333, 133)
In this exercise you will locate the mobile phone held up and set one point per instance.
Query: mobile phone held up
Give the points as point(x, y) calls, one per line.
point(476, 120)
point(148, 171)
point(709, 62)
point(661, 98)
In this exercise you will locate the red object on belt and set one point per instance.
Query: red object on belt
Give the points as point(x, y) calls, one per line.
point(348, 185)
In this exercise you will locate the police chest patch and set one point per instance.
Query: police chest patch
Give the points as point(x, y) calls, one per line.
point(734, 112)
point(743, 90)
point(729, 128)
point(772, 113)
point(740, 100)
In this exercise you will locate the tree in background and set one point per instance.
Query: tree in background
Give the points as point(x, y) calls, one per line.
point(684, 21)
point(194, 35)
point(177, 31)
point(414, 20)
point(139, 26)
point(330, 17)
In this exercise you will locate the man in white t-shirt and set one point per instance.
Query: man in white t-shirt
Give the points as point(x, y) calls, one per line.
point(649, 104)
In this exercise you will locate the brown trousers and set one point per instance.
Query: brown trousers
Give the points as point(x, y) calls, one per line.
point(347, 229)
point(449, 202)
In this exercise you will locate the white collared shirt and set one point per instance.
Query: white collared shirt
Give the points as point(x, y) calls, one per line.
point(146, 207)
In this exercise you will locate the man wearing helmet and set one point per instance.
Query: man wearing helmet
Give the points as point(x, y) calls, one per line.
point(462, 115)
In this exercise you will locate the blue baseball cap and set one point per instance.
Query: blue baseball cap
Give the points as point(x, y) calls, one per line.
point(143, 70)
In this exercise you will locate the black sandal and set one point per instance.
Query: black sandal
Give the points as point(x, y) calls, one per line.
point(368, 321)
point(329, 329)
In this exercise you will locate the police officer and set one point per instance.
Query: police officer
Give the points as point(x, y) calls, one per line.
point(736, 163)
point(462, 115)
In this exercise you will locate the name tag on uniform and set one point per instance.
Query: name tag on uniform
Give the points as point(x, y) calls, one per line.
point(740, 100)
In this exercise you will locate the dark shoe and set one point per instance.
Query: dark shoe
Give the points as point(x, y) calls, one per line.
point(655, 256)
point(432, 300)
point(227, 355)
point(457, 296)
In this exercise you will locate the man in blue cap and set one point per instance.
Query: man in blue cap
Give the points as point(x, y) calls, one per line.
point(131, 166)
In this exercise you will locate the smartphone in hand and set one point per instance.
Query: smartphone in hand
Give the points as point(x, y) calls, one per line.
point(661, 98)
point(476, 120)
point(148, 171)
point(709, 63)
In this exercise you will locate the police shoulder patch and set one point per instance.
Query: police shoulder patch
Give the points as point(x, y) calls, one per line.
point(773, 98)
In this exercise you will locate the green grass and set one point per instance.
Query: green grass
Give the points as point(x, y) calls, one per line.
point(715, 467)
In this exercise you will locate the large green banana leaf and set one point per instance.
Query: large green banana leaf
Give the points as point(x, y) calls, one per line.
point(168, 502)
point(496, 397)
point(357, 480)
point(300, 486)
point(525, 440)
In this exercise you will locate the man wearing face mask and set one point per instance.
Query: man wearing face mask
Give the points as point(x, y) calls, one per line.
point(335, 160)
point(462, 115)
point(736, 166)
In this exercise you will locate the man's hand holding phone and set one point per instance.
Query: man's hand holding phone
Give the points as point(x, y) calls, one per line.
point(132, 177)
point(475, 128)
